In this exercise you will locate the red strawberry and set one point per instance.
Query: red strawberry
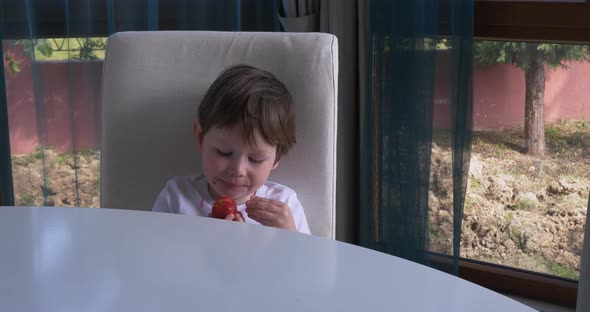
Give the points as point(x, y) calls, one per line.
point(223, 207)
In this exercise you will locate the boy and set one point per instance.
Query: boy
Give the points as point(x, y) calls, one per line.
point(244, 125)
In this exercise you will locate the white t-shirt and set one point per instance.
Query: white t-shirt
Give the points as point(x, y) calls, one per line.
point(189, 195)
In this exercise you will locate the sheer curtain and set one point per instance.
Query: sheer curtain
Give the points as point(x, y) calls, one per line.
point(51, 82)
point(406, 70)
point(418, 56)
point(6, 190)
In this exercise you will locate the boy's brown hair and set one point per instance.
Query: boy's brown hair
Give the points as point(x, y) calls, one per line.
point(252, 99)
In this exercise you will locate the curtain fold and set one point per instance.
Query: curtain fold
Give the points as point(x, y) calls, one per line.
point(300, 15)
point(462, 111)
point(6, 189)
point(417, 53)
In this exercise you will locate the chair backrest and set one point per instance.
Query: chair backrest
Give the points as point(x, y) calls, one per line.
point(154, 81)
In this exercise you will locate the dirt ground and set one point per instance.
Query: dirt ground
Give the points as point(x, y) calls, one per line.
point(45, 172)
point(520, 211)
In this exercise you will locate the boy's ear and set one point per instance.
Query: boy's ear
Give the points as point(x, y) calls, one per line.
point(275, 165)
point(198, 131)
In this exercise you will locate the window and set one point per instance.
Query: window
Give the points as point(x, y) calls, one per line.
point(528, 21)
point(53, 66)
point(524, 210)
point(53, 113)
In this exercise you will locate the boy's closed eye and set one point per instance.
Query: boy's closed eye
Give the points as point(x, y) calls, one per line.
point(256, 160)
point(224, 154)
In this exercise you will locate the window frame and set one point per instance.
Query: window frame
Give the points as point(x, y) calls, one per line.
point(525, 21)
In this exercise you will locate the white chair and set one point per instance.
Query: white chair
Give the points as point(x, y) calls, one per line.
point(154, 81)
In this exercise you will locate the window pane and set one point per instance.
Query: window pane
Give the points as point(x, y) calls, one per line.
point(53, 99)
point(529, 181)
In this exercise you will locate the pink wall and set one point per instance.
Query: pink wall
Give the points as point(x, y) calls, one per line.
point(501, 104)
point(58, 105)
point(498, 100)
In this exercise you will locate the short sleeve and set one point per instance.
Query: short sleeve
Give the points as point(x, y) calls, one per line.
point(162, 203)
point(298, 215)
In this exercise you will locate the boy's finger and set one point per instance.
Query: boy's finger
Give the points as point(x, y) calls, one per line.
point(268, 200)
point(264, 206)
point(261, 216)
point(230, 216)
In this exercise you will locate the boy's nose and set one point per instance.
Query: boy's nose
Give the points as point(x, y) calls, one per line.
point(238, 168)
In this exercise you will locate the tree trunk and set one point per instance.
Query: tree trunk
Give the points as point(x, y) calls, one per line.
point(534, 126)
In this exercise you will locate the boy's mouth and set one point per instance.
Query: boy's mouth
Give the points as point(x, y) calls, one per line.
point(233, 184)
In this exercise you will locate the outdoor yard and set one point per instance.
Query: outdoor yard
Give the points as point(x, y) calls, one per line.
point(520, 211)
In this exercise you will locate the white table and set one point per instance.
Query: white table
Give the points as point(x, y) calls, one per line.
point(83, 259)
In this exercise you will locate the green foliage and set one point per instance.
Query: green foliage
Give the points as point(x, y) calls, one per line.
point(523, 204)
point(88, 47)
point(551, 132)
point(36, 154)
point(27, 200)
point(64, 158)
point(87, 153)
point(500, 149)
point(563, 271)
point(43, 46)
point(477, 140)
point(519, 54)
point(509, 217)
point(96, 186)
point(583, 125)
point(488, 53)
point(518, 237)
point(468, 203)
point(52, 49)
point(13, 65)
point(411, 44)
point(561, 145)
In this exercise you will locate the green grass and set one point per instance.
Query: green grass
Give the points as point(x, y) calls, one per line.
point(551, 132)
point(518, 237)
point(509, 217)
point(477, 141)
point(88, 153)
point(96, 186)
point(474, 183)
point(500, 148)
point(63, 159)
point(27, 200)
point(563, 271)
point(523, 204)
point(36, 154)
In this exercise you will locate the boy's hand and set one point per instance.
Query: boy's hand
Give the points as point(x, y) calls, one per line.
point(231, 217)
point(270, 212)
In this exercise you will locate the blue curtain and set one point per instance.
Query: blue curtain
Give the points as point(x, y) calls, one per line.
point(6, 191)
point(54, 100)
point(417, 106)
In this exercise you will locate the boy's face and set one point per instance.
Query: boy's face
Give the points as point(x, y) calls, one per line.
point(234, 168)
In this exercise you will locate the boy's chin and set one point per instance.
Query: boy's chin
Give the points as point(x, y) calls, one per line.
point(238, 196)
